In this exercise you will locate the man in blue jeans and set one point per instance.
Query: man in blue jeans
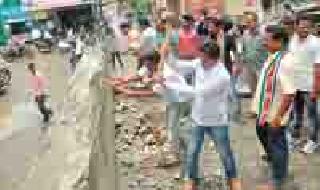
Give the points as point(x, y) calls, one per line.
point(209, 97)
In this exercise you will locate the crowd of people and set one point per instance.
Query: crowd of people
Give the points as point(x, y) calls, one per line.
point(198, 64)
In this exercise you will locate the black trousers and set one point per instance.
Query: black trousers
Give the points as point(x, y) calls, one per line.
point(117, 55)
point(301, 99)
point(44, 111)
point(274, 142)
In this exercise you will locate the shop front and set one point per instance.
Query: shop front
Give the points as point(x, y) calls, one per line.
point(13, 23)
point(63, 13)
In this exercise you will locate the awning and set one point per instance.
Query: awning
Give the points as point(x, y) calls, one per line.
point(13, 14)
point(53, 4)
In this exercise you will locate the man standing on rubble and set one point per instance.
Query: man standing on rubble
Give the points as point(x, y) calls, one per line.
point(210, 89)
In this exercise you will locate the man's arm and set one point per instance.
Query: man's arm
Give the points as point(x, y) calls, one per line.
point(286, 74)
point(317, 80)
point(316, 74)
point(286, 101)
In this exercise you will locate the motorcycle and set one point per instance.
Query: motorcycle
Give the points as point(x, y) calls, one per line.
point(5, 75)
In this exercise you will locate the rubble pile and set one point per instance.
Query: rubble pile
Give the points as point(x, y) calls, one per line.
point(142, 149)
point(145, 156)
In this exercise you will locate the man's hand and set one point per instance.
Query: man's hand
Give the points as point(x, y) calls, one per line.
point(276, 122)
point(160, 79)
point(313, 96)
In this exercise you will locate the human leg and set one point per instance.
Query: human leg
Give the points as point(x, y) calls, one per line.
point(313, 125)
point(118, 56)
point(278, 146)
point(220, 135)
point(173, 121)
point(40, 102)
point(262, 135)
point(193, 151)
point(113, 59)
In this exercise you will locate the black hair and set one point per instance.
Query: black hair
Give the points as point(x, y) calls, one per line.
point(188, 18)
point(228, 25)
point(287, 20)
point(278, 32)
point(124, 25)
point(301, 17)
point(215, 21)
point(287, 6)
point(211, 49)
point(144, 23)
point(32, 68)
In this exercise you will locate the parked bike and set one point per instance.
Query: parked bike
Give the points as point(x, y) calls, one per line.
point(5, 75)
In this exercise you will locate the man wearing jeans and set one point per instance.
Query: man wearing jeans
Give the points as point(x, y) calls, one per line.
point(209, 97)
point(306, 50)
point(274, 95)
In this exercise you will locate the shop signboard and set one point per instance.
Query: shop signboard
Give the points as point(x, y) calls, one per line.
point(50, 4)
point(40, 15)
point(34, 5)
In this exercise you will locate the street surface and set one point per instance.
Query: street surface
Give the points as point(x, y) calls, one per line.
point(20, 121)
point(27, 163)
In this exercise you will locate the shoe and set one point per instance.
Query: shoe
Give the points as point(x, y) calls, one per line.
point(293, 145)
point(310, 147)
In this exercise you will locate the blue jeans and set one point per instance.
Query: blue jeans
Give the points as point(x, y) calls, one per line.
point(274, 142)
point(234, 94)
point(220, 135)
point(301, 99)
point(175, 111)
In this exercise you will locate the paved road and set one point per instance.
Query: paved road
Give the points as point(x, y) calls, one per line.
point(20, 121)
point(25, 158)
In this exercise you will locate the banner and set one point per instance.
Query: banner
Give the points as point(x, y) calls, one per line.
point(49, 4)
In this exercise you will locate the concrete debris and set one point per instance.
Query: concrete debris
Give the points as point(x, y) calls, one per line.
point(147, 158)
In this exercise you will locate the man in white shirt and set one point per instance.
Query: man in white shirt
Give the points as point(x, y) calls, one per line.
point(121, 44)
point(147, 47)
point(209, 97)
point(306, 50)
point(274, 95)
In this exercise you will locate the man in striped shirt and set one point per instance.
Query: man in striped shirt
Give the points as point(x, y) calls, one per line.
point(274, 95)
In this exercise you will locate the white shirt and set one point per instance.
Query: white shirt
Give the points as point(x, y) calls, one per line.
point(209, 96)
point(284, 85)
point(306, 54)
point(121, 42)
point(148, 40)
point(36, 34)
point(70, 33)
point(79, 46)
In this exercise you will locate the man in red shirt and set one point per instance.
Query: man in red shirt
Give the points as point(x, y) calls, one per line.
point(188, 40)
